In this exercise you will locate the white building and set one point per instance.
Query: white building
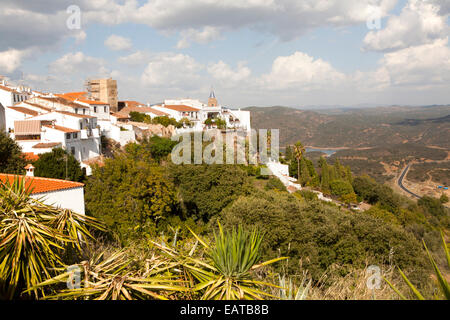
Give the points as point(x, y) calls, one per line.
point(10, 95)
point(58, 193)
point(41, 135)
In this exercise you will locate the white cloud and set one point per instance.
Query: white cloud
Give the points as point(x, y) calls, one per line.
point(301, 71)
point(77, 63)
point(118, 43)
point(419, 23)
point(135, 59)
point(420, 66)
point(11, 59)
point(204, 36)
point(223, 72)
point(172, 70)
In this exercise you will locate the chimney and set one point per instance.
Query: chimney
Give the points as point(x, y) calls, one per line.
point(30, 170)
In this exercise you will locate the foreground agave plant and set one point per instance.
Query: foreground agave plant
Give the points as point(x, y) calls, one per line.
point(33, 238)
point(228, 275)
point(443, 284)
point(110, 278)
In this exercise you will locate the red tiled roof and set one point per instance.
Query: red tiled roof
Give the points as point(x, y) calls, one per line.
point(30, 156)
point(46, 145)
point(42, 185)
point(25, 111)
point(181, 108)
point(72, 95)
point(120, 115)
point(36, 105)
point(67, 113)
point(63, 129)
point(8, 89)
point(91, 102)
point(129, 109)
point(63, 101)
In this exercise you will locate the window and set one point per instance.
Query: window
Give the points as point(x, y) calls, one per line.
point(68, 136)
point(14, 97)
point(105, 109)
point(75, 135)
point(84, 111)
point(76, 110)
point(72, 150)
point(95, 109)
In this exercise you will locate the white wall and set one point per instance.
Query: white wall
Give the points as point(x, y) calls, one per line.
point(13, 115)
point(72, 199)
point(2, 118)
point(6, 98)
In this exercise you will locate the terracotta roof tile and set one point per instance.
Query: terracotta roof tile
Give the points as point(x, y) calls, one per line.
point(181, 108)
point(31, 156)
point(84, 116)
point(25, 111)
point(8, 89)
point(129, 109)
point(46, 145)
point(42, 185)
point(59, 128)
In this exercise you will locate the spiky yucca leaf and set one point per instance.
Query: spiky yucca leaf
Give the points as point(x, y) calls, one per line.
point(443, 284)
point(33, 236)
point(110, 278)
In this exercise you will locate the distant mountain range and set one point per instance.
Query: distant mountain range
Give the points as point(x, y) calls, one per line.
point(357, 128)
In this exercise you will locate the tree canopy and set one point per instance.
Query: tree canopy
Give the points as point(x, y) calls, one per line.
point(11, 157)
point(59, 164)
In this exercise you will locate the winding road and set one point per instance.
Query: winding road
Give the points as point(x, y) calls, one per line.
point(400, 182)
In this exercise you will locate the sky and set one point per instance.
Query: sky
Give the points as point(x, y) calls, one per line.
point(252, 52)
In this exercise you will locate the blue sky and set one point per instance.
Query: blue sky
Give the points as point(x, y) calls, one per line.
point(255, 52)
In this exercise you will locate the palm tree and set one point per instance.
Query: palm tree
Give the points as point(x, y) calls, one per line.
point(299, 150)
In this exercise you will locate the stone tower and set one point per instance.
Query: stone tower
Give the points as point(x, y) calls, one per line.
point(212, 101)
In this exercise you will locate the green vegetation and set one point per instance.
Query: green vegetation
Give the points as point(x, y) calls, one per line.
point(163, 240)
point(36, 241)
point(162, 120)
point(59, 164)
point(11, 158)
point(132, 197)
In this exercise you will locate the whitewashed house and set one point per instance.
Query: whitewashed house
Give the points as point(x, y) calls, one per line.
point(57, 193)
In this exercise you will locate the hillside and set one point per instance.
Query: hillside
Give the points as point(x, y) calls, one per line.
point(358, 128)
point(376, 141)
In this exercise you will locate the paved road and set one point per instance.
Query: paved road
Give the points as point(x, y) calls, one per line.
point(400, 182)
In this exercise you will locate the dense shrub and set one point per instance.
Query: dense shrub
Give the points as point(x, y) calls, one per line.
point(275, 184)
point(320, 236)
point(204, 190)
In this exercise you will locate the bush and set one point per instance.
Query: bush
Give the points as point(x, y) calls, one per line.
point(11, 159)
point(275, 184)
point(320, 236)
point(131, 197)
point(205, 190)
point(53, 165)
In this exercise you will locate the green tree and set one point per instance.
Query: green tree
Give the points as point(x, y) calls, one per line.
point(59, 164)
point(131, 197)
point(11, 157)
point(444, 198)
point(341, 188)
point(325, 175)
point(205, 190)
